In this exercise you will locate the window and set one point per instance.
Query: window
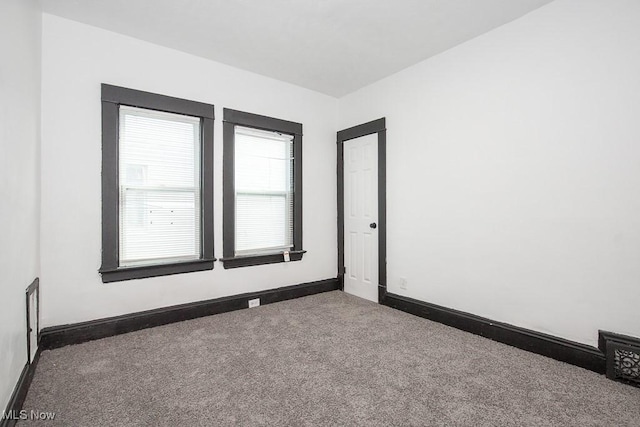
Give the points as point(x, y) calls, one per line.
point(262, 190)
point(157, 195)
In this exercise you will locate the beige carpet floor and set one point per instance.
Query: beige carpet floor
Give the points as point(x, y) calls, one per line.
point(327, 359)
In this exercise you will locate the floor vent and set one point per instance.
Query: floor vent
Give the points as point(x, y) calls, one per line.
point(623, 357)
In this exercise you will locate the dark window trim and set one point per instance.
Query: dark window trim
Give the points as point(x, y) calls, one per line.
point(262, 122)
point(250, 260)
point(145, 271)
point(379, 127)
point(153, 101)
point(240, 118)
point(112, 98)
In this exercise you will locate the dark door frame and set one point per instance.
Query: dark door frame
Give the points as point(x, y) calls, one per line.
point(379, 127)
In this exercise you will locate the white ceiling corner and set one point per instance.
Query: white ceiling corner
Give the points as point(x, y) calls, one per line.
point(330, 46)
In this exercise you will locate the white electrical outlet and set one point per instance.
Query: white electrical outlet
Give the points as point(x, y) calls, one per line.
point(403, 283)
point(254, 303)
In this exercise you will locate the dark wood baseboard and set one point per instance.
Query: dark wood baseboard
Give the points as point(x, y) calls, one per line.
point(16, 402)
point(59, 336)
point(547, 345)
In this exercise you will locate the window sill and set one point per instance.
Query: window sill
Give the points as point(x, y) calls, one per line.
point(252, 260)
point(145, 271)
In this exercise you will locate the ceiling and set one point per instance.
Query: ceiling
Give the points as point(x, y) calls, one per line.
point(330, 46)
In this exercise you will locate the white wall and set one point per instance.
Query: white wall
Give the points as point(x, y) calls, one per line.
point(76, 59)
point(514, 171)
point(19, 174)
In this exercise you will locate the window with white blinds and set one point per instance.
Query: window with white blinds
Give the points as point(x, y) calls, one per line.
point(263, 174)
point(159, 187)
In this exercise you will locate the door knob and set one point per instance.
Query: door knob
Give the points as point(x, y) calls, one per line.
point(373, 225)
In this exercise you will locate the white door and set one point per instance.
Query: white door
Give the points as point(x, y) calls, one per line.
point(361, 216)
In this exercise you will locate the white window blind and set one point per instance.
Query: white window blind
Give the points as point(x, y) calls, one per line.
point(159, 181)
point(263, 191)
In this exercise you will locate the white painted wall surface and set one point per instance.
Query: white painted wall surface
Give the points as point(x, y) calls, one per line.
point(76, 59)
point(514, 171)
point(20, 24)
